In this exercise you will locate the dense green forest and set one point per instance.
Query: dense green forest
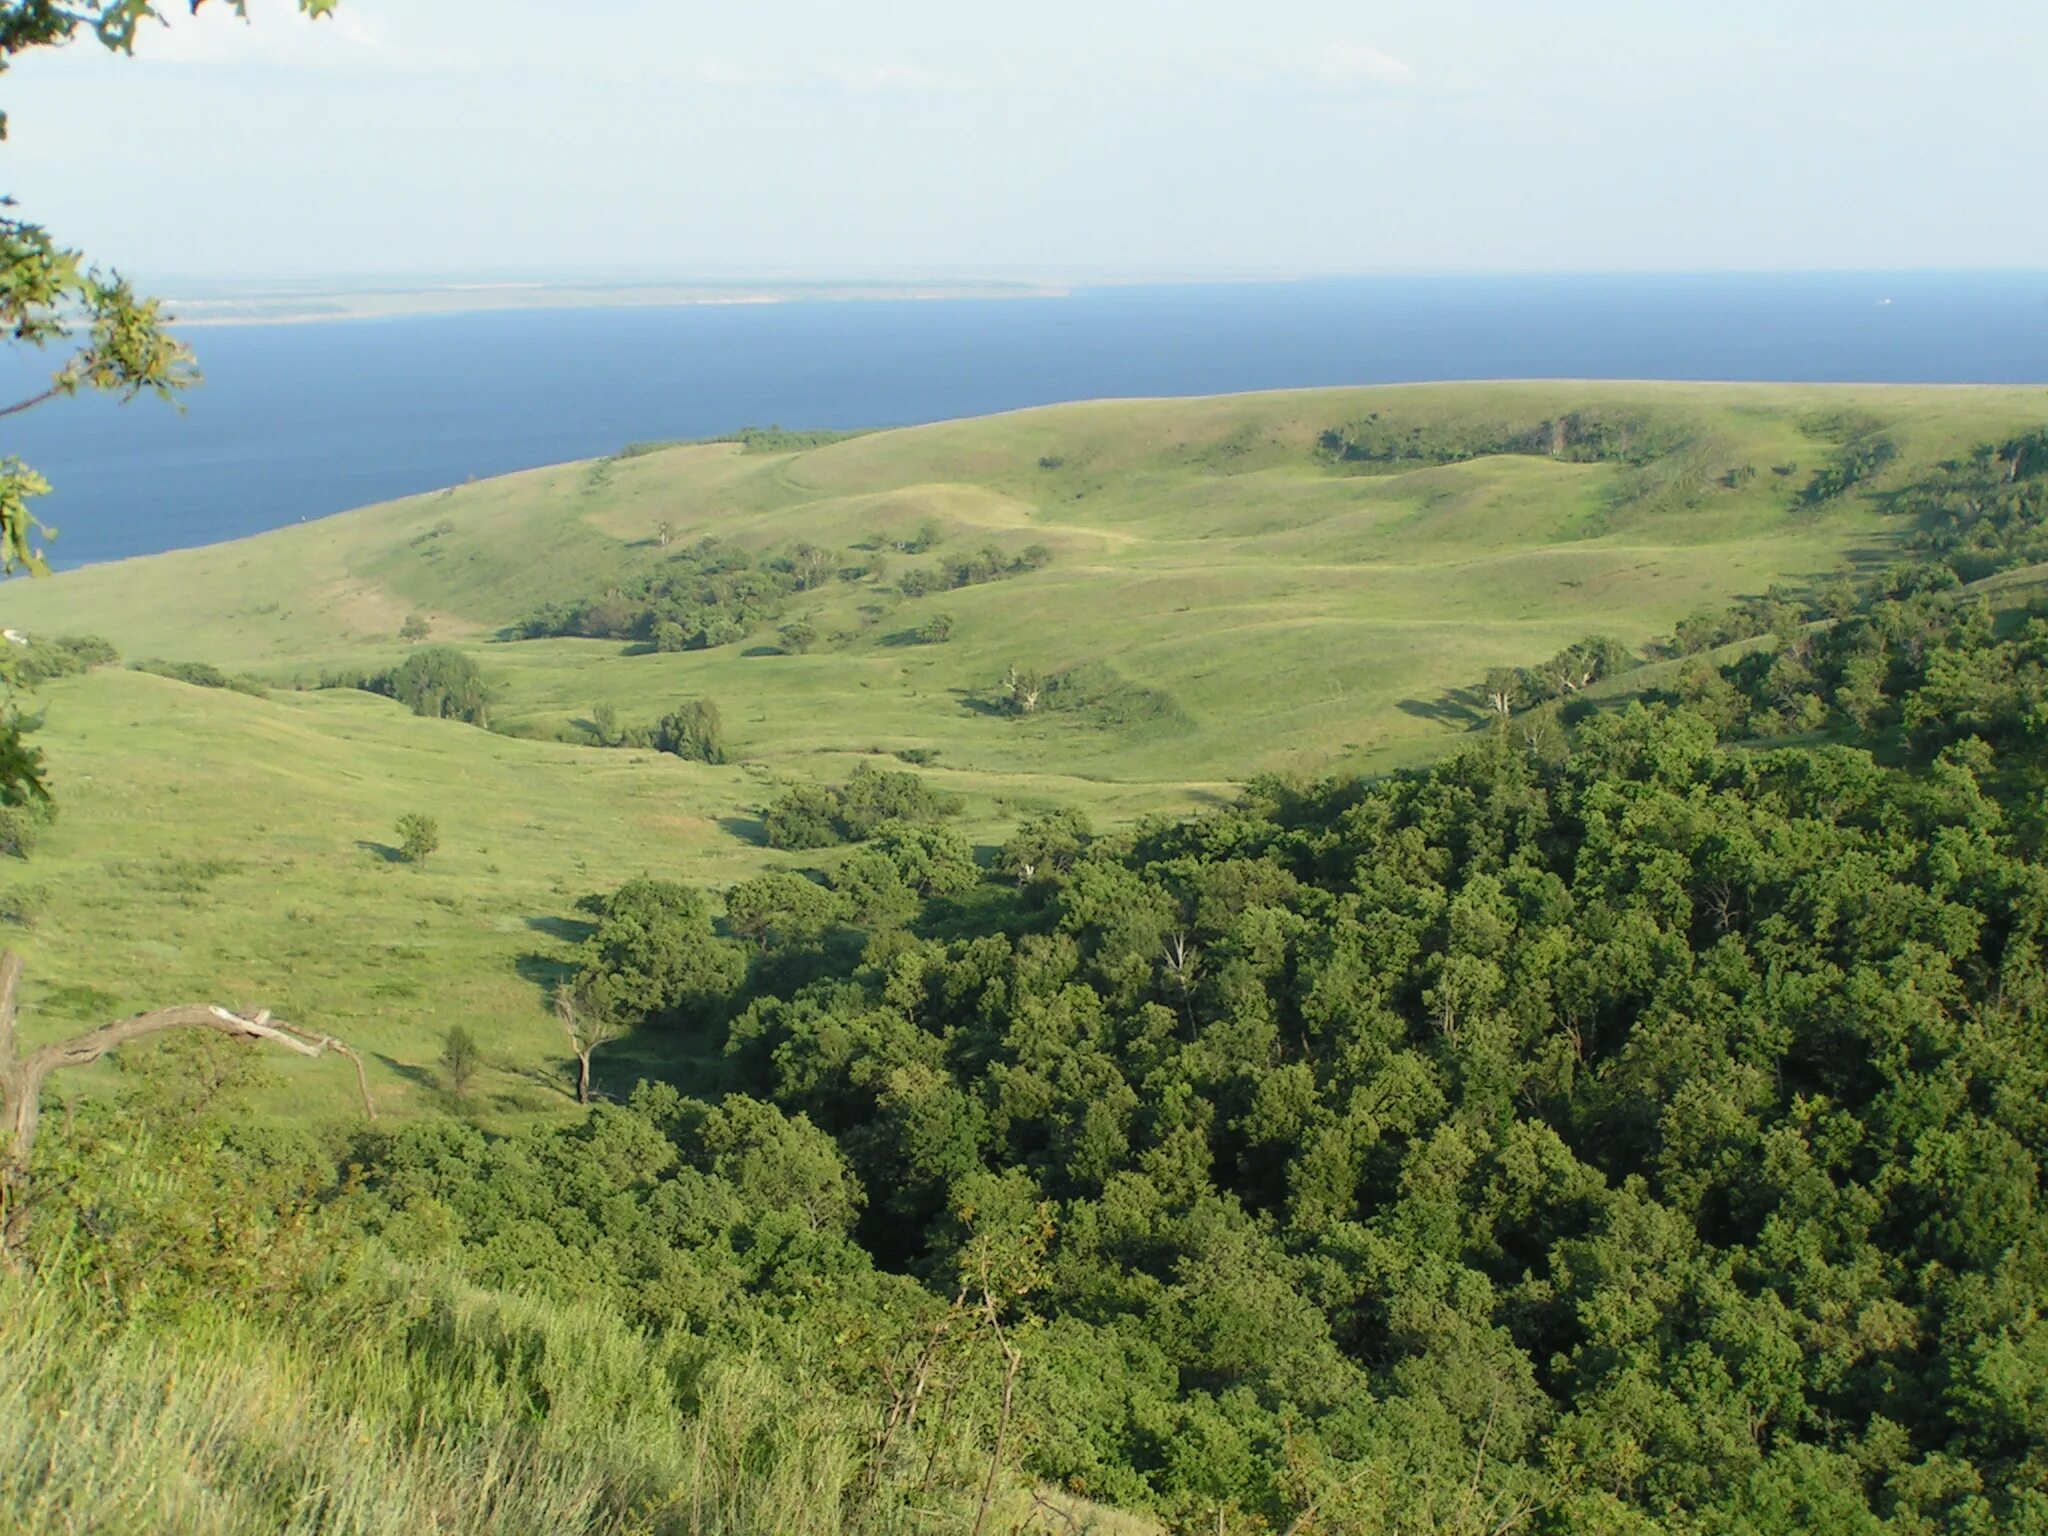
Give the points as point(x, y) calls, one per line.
point(1624, 1125)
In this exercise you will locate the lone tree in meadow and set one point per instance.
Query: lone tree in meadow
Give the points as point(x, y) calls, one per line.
point(589, 1026)
point(460, 1060)
point(414, 629)
point(418, 836)
point(1022, 689)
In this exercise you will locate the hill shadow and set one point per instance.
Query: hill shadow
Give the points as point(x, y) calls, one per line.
point(383, 852)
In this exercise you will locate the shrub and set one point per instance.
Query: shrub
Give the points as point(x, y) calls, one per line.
point(459, 1059)
point(22, 905)
point(877, 795)
point(21, 827)
point(872, 892)
point(64, 656)
point(203, 674)
point(418, 836)
point(798, 637)
point(692, 731)
point(440, 683)
point(810, 816)
point(712, 592)
point(1045, 847)
point(721, 631)
point(936, 630)
point(806, 817)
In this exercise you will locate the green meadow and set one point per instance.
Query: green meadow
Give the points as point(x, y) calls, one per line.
point(1286, 610)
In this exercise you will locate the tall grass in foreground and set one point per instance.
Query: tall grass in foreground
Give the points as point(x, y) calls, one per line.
point(456, 1411)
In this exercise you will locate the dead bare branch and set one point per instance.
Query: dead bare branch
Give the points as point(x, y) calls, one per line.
point(22, 1076)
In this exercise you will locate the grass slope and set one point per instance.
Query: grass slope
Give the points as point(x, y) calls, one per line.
point(1299, 613)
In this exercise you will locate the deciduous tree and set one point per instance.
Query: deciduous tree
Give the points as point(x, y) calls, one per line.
point(589, 1026)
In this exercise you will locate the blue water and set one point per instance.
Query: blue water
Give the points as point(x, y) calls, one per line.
point(299, 421)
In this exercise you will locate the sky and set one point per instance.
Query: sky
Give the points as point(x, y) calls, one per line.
point(1065, 137)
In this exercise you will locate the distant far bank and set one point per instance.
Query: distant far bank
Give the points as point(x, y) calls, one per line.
point(299, 304)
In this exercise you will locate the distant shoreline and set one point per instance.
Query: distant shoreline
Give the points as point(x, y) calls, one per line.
point(315, 307)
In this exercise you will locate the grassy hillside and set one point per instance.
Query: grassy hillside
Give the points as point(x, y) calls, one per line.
point(1297, 610)
point(1284, 605)
point(213, 846)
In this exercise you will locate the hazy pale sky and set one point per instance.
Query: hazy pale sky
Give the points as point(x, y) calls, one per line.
point(1106, 135)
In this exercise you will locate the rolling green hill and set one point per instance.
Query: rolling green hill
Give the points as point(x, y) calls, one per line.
point(1298, 581)
point(1298, 610)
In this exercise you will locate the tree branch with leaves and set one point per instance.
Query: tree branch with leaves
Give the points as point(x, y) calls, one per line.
point(112, 340)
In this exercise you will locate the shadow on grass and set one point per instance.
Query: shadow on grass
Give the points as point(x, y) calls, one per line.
point(557, 1082)
point(382, 852)
point(570, 930)
point(763, 650)
point(419, 1077)
point(546, 972)
point(980, 703)
point(1460, 706)
point(748, 829)
point(653, 1055)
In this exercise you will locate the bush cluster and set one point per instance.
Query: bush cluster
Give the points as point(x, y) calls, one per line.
point(819, 816)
